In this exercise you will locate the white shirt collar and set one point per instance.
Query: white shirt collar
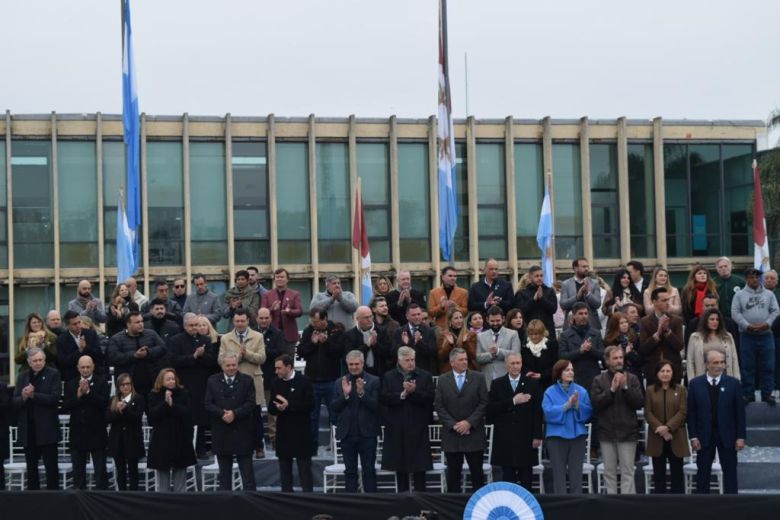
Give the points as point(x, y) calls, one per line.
point(710, 379)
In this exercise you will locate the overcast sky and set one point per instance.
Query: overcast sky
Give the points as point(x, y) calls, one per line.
point(695, 59)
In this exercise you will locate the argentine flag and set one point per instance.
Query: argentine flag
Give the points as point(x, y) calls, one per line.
point(544, 238)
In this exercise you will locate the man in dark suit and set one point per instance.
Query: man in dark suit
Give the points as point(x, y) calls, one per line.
point(86, 398)
point(230, 402)
point(285, 307)
point(407, 394)
point(660, 337)
point(581, 288)
point(582, 345)
point(491, 290)
point(366, 337)
point(356, 405)
point(136, 351)
point(515, 409)
point(274, 341)
point(400, 298)
point(716, 420)
point(636, 271)
point(195, 359)
point(461, 401)
point(537, 301)
point(292, 398)
point(417, 336)
point(75, 342)
point(36, 398)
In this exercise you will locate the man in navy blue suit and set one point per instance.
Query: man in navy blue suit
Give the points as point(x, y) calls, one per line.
point(356, 404)
point(716, 420)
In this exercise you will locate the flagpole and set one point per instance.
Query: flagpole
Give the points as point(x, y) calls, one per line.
point(548, 189)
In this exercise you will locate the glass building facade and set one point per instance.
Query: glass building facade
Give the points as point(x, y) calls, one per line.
point(220, 194)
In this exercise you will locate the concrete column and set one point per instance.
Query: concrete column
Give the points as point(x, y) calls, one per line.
point(471, 179)
point(315, 254)
point(511, 211)
point(395, 226)
point(231, 242)
point(587, 214)
point(660, 193)
point(273, 218)
point(55, 208)
point(100, 206)
point(623, 191)
point(185, 142)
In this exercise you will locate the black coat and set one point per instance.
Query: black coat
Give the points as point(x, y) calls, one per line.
point(171, 442)
point(586, 365)
point(293, 425)
point(126, 435)
point(165, 328)
point(425, 350)
point(88, 413)
point(68, 353)
point(121, 350)
point(353, 340)
point(43, 406)
point(5, 419)
point(514, 426)
point(323, 360)
point(542, 364)
point(274, 343)
point(398, 312)
point(238, 437)
point(479, 292)
point(193, 372)
point(406, 445)
point(542, 309)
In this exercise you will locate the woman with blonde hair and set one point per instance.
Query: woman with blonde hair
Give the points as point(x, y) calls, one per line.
point(125, 438)
point(382, 286)
point(711, 334)
point(119, 306)
point(36, 334)
point(205, 328)
point(456, 335)
point(661, 279)
point(698, 286)
point(170, 448)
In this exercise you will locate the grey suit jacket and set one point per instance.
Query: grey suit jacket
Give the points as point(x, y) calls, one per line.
point(593, 299)
point(495, 367)
point(453, 406)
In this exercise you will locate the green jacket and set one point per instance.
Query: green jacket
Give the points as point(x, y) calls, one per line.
point(726, 289)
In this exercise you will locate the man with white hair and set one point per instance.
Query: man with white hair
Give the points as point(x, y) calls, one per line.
point(399, 299)
point(356, 405)
point(230, 402)
point(727, 283)
point(54, 322)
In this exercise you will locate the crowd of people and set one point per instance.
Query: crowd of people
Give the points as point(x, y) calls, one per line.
point(543, 365)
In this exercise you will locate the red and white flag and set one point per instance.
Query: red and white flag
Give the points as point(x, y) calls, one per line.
point(360, 242)
point(760, 242)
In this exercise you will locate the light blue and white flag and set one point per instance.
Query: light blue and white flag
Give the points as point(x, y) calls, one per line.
point(126, 245)
point(544, 238)
point(129, 214)
point(448, 207)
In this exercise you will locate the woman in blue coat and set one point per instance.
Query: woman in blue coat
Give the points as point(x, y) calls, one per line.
point(567, 408)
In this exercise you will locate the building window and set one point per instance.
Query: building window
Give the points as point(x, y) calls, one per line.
point(641, 197)
point(3, 213)
point(414, 205)
point(77, 166)
point(208, 218)
point(567, 188)
point(676, 194)
point(250, 203)
point(33, 233)
point(373, 166)
point(738, 187)
point(705, 195)
point(491, 200)
point(113, 179)
point(165, 190)
point(292, 195)
point(461, 245)
point(529, 193)
point(333, 204)
point(604, 200)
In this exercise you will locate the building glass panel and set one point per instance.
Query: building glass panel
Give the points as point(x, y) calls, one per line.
point(641, 197)
point(678, 234)
point(567, 195)
point(333, 204)
point(77, 166)
point(208, 216)
point(373, 165)
point(738, 188)
point(604, 200)
point(113, 179)
point(32, 195)
point(292, 207)
point(166, 203)
point(491, 200)
point(3, 212)
point(529, 193)
point(461, 245)
point(414, 206)
point(250, 203)
point(706, 192)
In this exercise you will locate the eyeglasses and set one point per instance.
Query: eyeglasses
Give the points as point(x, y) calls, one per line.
point(125, 384)
point(178, 287)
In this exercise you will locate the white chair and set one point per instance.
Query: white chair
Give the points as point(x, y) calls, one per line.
point(192, 471)
point(333, 476)
point(436, 477)
point(690, 470)
point(487, 469)
point(64, 463)
point(147, 479)
point(209, 477)
point(587, 464)
point(385, 479)
point(538, 470)
point(16, 467)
